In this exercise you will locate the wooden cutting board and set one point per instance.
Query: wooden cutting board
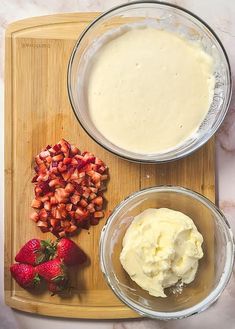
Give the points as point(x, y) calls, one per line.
point(37, 113)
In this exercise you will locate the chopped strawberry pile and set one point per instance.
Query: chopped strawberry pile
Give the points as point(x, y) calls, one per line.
point(68, 189)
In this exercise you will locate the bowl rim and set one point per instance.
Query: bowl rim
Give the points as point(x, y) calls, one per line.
point(224, 279)
point(135, 157)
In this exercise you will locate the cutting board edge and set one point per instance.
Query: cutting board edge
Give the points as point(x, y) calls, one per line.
point(31, 22)
point(72, 311)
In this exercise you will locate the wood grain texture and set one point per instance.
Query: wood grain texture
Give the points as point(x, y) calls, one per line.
point(37, 113)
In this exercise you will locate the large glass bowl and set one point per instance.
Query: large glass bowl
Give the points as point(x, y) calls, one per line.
point(214, 269)
point(163, 16)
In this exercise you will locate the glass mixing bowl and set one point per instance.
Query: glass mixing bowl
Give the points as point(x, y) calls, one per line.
point(214, 269)
point(163, 16)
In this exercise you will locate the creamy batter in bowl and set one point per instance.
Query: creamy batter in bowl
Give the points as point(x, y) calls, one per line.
point(117, 123)
point(214, 268)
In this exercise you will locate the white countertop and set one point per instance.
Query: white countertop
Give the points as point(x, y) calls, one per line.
point(220, 15)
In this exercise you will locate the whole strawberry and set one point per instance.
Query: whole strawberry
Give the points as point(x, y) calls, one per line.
point(25, 275)
point(58, 287)
point(34, 252)
point(53, 270)
point(70, 252)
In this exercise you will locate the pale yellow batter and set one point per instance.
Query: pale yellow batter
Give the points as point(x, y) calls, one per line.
point(161, 247)
point(149, 90)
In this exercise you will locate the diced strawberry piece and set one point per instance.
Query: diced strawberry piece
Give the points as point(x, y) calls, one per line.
point(54, 171)
point(78, 157)
point(58, 157)
point(45, 188)
point(81, 164)
point(91, 208)
point(74, 150)
point(62, 210)
point(42, 167)
point(90, 173)
point(71, 214)
point(52, 151)
point(96, 177)
point(74, 175)
point(48, 159)
point(43, 177)
point(74, 162)
point(44, 154)
point(61, 206)
point(98, 162)
point(53, 211)
point(65, 224)
point(61, 195)
point(62, 234)
point(92, 196)
point(101, 169)
point(43, 215)
point(36, 203)
point(69, 206)
point(64, 147)
point(98, 201)
point(38, 160)
point(37, 191)
point(89, 158)
point(71, 229)
point(69, 188)
point(53, 222)
point(42, 224)
point(94, 189)
point(53, 200)
point(35, 217)
point(57, 148)
point(78, 181)
point(57, 214)
point(86, 195)
point(67, 160)
point(75, 198)
point(62, 167)
point(55, 182)
point(98, 214)
point(81, 174)
point(83, 203)
point(104, 177)
point(66, 175)
point(79, 212)
point(47, 205)
point(44, 198)
point(34, 179)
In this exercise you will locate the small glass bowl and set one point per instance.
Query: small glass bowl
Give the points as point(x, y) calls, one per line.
point(162, 16)
point(214, 269)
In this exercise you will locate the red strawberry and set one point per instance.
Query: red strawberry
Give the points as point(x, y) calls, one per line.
point(53, 270)
point(70, 252)
point(57, 288)
point(25, 275)
point(65, 176)
point(34, 252)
